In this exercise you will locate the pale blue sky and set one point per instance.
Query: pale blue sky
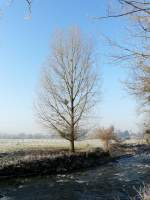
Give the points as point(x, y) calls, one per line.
point(24, 47)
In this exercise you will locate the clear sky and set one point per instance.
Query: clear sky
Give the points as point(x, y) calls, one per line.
point(24, 47)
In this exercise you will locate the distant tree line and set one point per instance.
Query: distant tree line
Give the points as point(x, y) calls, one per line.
point(26, 136)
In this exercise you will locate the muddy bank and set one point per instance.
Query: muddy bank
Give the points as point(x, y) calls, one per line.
point(61, 163)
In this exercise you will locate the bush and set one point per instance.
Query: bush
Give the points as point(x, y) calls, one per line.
point(147, 136)
point(107, 135)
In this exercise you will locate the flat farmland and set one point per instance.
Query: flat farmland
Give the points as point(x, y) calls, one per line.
point(14, 145)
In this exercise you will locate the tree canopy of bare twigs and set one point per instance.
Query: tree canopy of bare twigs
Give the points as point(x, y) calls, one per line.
point(127, 8)
point(28, 3)
point(136, 54)
point(68, 85)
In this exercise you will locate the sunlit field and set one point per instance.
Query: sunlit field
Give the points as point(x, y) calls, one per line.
point(14, 145)
point(14, 151)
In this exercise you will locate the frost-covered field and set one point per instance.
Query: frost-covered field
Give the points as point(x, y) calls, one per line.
point(14, 151)
point(13, 145)
point(134, 141)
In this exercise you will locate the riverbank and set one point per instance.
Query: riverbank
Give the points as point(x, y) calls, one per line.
point(36, 161)
point(53, 163)
point(113, 180)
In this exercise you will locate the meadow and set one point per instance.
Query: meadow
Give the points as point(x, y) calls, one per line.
point(15, 145)
point(14, 151)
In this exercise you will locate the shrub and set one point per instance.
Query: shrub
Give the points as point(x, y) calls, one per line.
point(107, 135)
point(147, 136)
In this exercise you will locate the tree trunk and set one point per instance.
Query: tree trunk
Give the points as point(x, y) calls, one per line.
point(72, 145)
point(72, 107)
point(72, 129)
point(107, 145)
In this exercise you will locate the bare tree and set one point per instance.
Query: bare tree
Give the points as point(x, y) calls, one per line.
point(68, 85)
point(136, 54)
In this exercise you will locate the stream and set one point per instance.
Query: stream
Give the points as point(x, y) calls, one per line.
point(114, 180)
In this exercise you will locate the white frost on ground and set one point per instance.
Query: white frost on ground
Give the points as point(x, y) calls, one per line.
point(134, 141)
point(12, 145)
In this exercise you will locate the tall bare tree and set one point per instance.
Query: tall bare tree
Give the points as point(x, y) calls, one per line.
point(68, 84)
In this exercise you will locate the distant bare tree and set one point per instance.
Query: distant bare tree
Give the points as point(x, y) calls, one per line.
point(68, 84)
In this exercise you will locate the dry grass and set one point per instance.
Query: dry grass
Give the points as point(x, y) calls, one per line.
point(142, 194)
point(14, 151)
